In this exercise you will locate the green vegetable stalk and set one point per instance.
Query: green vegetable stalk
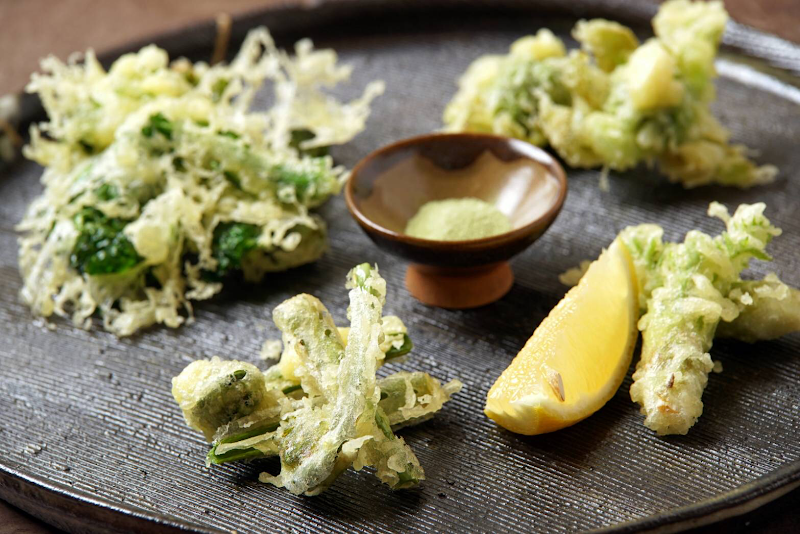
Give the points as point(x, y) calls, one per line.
point(321, 409)
point(687, 288)
point(407, 399)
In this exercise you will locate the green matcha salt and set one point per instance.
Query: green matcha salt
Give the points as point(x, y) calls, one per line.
point(457, 219)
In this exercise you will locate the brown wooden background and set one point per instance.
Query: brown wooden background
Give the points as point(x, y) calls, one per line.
point(31, 29)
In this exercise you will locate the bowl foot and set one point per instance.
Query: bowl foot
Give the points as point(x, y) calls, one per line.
point(459, 287)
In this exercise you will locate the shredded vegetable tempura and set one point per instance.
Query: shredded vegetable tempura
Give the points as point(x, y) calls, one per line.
point(160, 181)
point(615, 102)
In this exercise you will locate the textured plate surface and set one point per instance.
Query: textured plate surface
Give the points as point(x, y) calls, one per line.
point(93, 416)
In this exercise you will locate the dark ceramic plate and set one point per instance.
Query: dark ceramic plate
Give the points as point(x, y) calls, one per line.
point(92, 439)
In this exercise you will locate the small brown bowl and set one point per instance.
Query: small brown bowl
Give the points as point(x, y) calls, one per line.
point(389, 186)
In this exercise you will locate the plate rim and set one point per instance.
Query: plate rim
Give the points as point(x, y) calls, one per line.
point(57, 504)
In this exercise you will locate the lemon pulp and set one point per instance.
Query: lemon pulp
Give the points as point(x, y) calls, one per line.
point(578, 356)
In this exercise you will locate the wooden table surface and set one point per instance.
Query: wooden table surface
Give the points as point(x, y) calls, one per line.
point(31, 29)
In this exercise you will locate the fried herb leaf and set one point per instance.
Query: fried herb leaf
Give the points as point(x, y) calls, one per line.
point(101, 247)
point(232, 241)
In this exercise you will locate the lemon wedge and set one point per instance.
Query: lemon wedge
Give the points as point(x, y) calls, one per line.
point(578, 356)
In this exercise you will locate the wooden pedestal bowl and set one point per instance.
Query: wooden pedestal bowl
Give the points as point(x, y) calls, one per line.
point(389, 186)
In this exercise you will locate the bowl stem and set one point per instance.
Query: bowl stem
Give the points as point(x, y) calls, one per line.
point(459, 287)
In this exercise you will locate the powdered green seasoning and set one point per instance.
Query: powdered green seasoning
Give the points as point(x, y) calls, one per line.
point(457, 219)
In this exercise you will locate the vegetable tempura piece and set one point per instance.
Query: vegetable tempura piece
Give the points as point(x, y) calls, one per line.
point(615, 103)
point(411, 398)
point(394, 462)
point(321, 409)
point(769, 309)
point(690, 293)
point(254, 436)
point(212, 393)
point(394, 346)
point(161, 183)
point(313, 436)
point(396, 342)
point(688, 285)
point(310, 333)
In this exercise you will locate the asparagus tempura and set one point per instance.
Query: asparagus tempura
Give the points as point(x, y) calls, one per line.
point(688, 288)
